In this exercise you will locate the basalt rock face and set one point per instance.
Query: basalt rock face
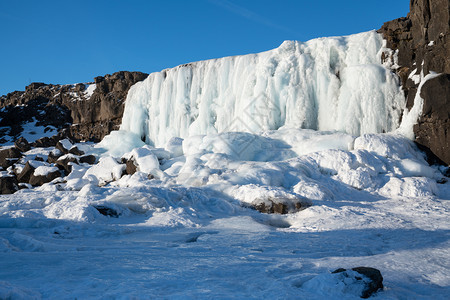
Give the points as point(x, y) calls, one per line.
point(423, 45)
point(87, 112)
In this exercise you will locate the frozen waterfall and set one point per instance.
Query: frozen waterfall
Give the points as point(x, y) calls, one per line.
point(336, 83)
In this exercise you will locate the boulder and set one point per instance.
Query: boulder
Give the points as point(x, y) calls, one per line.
point(75, 151)
point(130, 166)
point(44, 142)
point(279, 205)
point(22, 144)
point(90, 159)
point(64, 163)
point(106, 211)
point(38, 180)
point(374, 283)
point(8, 184)
point(53, 156)
point(8, 156)
point(64, 145)
point(26, 173)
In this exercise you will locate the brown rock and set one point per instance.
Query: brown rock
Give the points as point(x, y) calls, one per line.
point(62, 106)
point(26, 173)
point(90, 159)
point(279, 206)
point(22, 144)
point(41, 179)
point(8, 185)
point(433, 128)
point(9, 156)
point(423, 44)
point(75, 151)
point(65, 163)
point(44, 142)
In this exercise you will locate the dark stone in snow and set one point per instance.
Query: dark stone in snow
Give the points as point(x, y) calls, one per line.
point(376, 280)
point(53, 158)
point(8, 185)
point(26, 173)
point(9, 156)
point(75, 151)
point(44, 142)
point(280, 206)
point(64, 164)
point(90, 159)
point(22, 144)
point(106, 211)
point(130, 167)
point(61, 147)
point(41, 179)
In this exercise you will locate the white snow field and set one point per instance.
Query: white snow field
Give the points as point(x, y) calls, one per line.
point(183, 226)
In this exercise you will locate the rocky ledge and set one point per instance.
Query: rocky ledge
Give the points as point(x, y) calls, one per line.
point(83, 111)
point(422, 46)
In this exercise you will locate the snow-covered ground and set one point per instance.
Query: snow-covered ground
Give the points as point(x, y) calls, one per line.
point(189, 232)
point(229, 138)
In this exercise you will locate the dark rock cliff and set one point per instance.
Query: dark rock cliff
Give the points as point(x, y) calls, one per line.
point(422, 41)
point(87, 112)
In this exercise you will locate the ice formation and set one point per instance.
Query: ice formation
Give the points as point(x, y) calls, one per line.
point(335, 83)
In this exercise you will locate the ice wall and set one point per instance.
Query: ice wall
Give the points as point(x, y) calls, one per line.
point(335, 83)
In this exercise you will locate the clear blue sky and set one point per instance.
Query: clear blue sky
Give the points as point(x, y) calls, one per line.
point(74, 41)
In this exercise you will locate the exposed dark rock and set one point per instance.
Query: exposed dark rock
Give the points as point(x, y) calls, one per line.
point(434, 126)
point(376, 280)
point(8, 185)
point(44, 142)
point(130, 166)
point(53, 156)
point(90, 159)
point(70, 107)
point(65, 163)
point(26, 173)
point(60, 147)
point(75, 151)
point(41, 179)
point(279, 206)
point(106, 211)
point(22, 144)
point(9, 156)
point(423, 45)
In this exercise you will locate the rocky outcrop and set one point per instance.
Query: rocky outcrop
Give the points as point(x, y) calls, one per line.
point(88, 112)
point(422, 43)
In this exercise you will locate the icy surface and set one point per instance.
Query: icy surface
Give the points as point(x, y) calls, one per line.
point(189, 233)
point(335, 83)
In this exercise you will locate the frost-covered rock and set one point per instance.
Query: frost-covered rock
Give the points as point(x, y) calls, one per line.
point(44, 174)
point(145, 159)
point(372, 285)
point(106, 170)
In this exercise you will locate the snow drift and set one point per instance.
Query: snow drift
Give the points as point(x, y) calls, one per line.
point(335, 83)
